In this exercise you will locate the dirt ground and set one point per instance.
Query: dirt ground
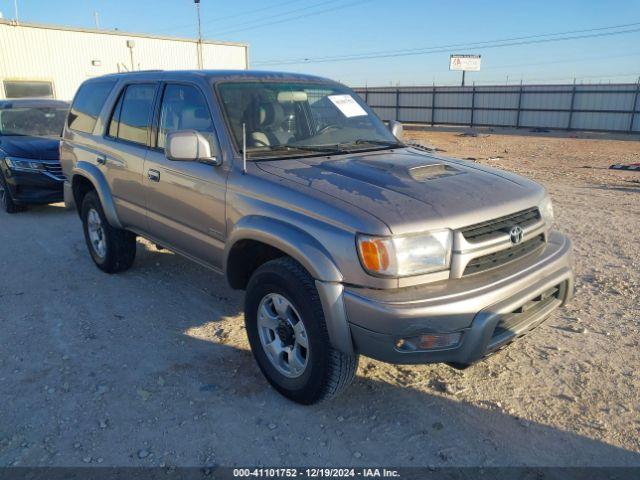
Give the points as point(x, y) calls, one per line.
point(152, 367)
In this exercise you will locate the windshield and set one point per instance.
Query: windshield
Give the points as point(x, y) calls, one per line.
point(32, 121)
point(283, 118)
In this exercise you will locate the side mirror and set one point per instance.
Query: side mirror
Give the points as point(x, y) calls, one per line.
point(191, 146)
point(397, 130)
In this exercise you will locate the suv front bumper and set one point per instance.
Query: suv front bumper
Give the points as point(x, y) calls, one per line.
point(489, 309)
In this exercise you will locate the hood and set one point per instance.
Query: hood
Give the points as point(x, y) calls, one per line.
point(412, 191)
point(38, 148)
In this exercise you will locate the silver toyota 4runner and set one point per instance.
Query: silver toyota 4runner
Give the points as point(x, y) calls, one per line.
point(346, 240)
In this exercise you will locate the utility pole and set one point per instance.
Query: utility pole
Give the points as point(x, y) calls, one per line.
point(200, 62)
point(463, 72)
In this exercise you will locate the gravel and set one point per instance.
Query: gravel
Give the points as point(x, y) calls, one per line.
point(107, 369)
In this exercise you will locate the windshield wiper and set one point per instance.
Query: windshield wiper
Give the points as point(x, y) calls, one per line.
point(310, 148)
point(304, 148)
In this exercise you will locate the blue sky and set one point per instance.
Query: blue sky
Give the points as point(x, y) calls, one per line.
point(309, 29)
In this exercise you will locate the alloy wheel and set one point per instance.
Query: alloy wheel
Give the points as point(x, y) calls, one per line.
point(96, 233)
point(283, 335)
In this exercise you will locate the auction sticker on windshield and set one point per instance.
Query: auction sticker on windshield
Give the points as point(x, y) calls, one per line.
point(347, 105)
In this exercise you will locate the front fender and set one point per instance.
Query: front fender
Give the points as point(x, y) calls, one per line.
point(96, 177)
point(306, 250)
point(288, 238)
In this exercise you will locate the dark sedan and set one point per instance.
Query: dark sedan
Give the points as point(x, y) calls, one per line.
point(30, 171)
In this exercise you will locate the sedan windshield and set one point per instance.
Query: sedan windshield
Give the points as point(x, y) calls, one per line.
point(32, 121)
point(283, 118)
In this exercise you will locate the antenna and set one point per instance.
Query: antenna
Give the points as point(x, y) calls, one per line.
point(244, 148)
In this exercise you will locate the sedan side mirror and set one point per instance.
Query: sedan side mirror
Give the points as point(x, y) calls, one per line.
point(191, 146)
point(397, 130)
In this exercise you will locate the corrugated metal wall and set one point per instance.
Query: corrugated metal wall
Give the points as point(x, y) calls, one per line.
point(64, 56)
point(614, 108)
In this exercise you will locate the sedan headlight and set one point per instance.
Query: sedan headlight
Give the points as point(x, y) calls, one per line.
point(405, 255)
point(546, 210)
point(24, 164)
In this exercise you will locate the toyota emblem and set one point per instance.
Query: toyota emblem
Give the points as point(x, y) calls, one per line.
point(516, 234)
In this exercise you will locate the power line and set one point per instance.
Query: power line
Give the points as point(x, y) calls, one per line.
point(526, 40)
point(289, 12)
point(288, 19)
point(235, 15)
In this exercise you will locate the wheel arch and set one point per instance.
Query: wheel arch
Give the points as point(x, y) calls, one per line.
point(86, 177)
point(262, 238)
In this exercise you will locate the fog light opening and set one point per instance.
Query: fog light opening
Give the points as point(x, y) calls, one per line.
point(432, 341)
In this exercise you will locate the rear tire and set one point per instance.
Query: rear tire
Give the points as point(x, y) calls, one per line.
point(112, 249)
point(6, 202)
point(281, 293)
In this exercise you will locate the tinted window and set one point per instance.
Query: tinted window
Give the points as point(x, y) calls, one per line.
point(130, 120)
point(183, 108)
point(21, 89)
point(87, 105)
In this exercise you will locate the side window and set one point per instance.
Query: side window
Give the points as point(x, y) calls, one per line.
point(87, 105)
point(183, 108)
point(131, 116)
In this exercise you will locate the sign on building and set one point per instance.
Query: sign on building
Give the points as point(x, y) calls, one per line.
point(469, 63)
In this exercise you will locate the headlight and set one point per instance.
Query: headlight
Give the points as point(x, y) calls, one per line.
point(546, 210)
point(24, 164)
point(405, 255)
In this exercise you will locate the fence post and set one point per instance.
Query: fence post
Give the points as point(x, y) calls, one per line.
point(433, 104)
point(473, 102)
point(519, 106)
point(573, 98)
point(633, 107)
point(397, 104)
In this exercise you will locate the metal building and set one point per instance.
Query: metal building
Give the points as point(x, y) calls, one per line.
point(52, 61)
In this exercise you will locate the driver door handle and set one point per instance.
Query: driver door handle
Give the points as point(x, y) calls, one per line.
point(153, 175)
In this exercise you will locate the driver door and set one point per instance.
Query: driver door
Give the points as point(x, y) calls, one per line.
point(185, 200)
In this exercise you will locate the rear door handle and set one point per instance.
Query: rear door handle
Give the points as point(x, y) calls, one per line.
point(102, 160)
point(154, 175)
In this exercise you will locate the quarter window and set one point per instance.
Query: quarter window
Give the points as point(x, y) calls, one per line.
point(130, 119)
point(183, 108)
point(87, 105)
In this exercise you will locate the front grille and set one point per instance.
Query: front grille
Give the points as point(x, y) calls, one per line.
point(510, 322)
point(55, 170)
point(486, 230)
point(497, 259)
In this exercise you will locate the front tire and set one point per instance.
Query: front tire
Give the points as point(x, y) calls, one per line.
point(288, 334)
point(6, 202)
point(112, 250)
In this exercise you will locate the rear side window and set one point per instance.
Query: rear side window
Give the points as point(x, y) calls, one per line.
point(132, 114)
point(87, 105)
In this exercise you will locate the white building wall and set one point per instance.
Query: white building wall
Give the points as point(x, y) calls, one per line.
point(64, 56)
